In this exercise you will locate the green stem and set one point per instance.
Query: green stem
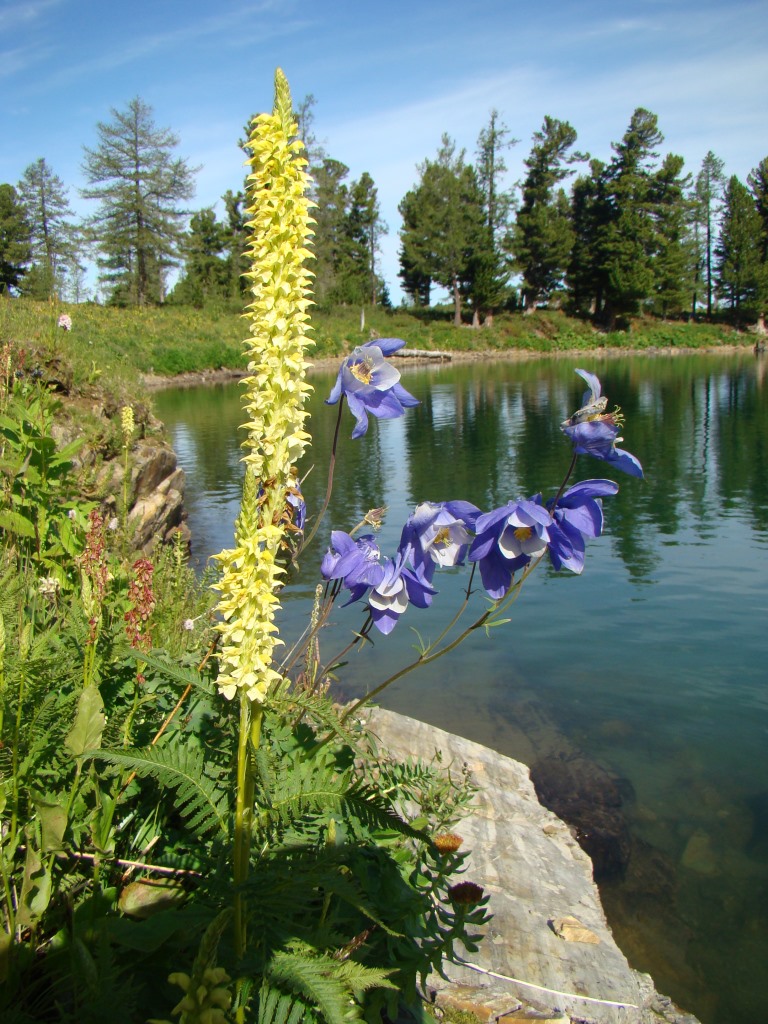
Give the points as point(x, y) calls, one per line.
point(430, 654)
point(329, 489)
point(251, 717)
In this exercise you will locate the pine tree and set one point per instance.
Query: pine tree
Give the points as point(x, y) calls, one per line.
point(707, 198)
point(444, 220)
point(489, 268)
point(52, 234)
point(15, 247)
point(590, 211)
point(138, 184)
point(740, 268)
point(543, 236)
point(363, 228)
point(206, 276)
point(329, 244)
point(674, 255)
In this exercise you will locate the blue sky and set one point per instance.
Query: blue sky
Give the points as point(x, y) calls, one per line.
point(389, 79)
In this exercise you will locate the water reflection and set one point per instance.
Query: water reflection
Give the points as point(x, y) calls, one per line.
point(653, 661)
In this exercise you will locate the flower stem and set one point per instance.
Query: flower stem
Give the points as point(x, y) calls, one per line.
point(329, 489)
point(249, 738)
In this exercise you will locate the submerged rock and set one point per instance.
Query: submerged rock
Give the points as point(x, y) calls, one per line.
point(590, 799)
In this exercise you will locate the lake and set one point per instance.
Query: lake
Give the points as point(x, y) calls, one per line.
point(652, 663)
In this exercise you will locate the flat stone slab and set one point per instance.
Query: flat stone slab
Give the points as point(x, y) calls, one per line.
point(548, 951)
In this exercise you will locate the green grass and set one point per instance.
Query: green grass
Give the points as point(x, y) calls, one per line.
point(116, 345)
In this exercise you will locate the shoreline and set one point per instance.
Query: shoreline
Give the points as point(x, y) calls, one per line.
point(223, 375)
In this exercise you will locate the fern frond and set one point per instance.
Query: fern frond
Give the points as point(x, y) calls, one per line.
point(173, 672)
point(330, 985)
point(199, 796)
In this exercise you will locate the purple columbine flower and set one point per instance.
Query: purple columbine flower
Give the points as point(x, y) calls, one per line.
point(577, 515)
point(506, 540)
point(371, 384)
point(595, 432)
point(356, 562)
point(397, 587)
point(437, 534)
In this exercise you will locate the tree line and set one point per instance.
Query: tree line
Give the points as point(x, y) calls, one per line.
point(606, 240)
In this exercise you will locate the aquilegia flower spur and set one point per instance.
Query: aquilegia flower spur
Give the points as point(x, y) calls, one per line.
point(595, 432)
point(371, 384)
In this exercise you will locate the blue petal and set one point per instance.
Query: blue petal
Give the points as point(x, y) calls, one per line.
point(387, 345)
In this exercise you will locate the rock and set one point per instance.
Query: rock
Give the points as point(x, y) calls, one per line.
point(154, 518)
point(698, 854)
point(570, 929)
point(535, 873)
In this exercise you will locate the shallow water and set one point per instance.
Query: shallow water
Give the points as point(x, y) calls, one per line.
point(652, 661)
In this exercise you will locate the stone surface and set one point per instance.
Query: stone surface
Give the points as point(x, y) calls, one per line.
point(536, 873)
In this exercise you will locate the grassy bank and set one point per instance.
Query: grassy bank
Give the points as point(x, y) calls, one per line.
point(120, 344)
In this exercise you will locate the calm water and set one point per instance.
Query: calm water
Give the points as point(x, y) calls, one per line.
point(653, 661)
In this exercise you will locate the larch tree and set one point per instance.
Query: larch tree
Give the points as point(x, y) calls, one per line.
point(139, 185)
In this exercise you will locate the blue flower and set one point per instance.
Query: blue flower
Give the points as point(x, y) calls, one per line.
point(506, 540)
point(371, 384)
point(438, 534)
point(397, 587)
point(595, 432)
point(577, 515)
point(357, 563)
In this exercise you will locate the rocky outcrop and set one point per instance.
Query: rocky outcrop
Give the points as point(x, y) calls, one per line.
point(548, 953)
point(155, 493)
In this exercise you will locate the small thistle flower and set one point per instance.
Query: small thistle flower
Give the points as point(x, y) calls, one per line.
point(466, 894)
point(448, 842)
point(275, 395)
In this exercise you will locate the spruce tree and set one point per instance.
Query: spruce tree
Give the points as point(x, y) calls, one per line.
point(139, 185)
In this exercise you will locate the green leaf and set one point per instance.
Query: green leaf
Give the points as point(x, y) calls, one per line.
point(35, 888)
point(53, 819)
point(89, 722)
point(14, 522)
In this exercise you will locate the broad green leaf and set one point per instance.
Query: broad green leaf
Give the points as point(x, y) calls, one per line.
point(16, 523)
point(53, 819)
point(35, 888)
point(89, 722)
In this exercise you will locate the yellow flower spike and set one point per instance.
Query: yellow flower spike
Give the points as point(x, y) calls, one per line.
point(275, 394)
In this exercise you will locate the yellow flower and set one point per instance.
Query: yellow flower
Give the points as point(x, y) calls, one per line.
point(275, 395)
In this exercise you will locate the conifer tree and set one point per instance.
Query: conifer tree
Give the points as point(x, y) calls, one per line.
point(543, 235)
point(444, 221)
point(707, 198)
point(139, 184)
point(52, 234)
point(739, 265)
point(15, 247)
